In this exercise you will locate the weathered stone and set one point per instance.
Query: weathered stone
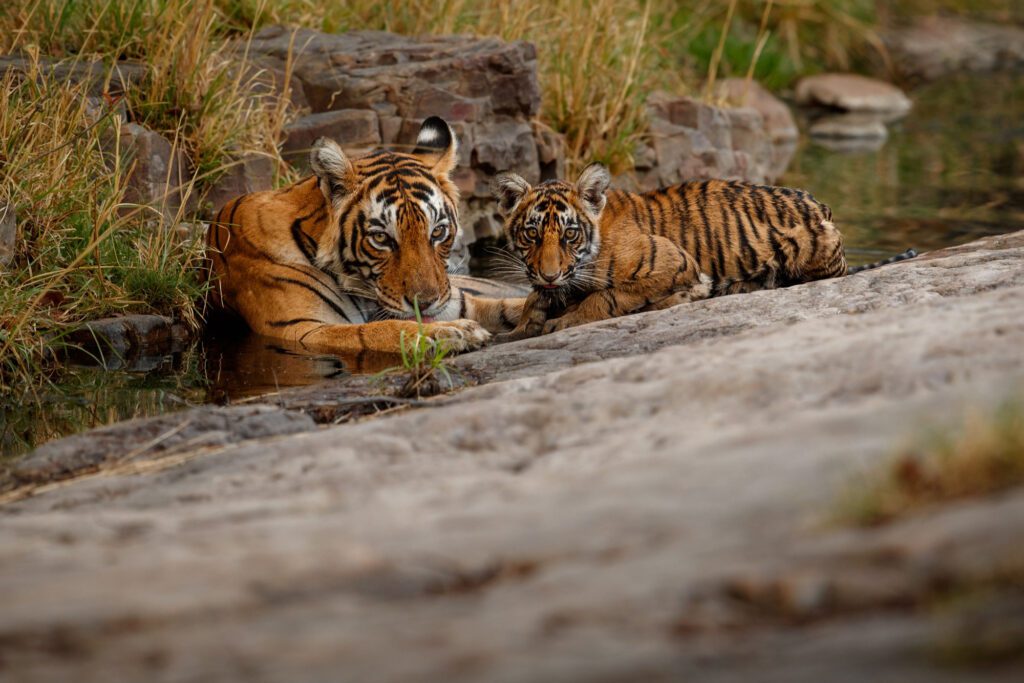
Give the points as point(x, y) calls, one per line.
point(934, 46)
point(506, 144)
point(8, 234)
point(158, 173)
point(354, 129)
point(250, 173)
point(778, 119)
point(99, 77)
point(161, 436)
point(471, 78)
point(267, 80)
point(115, 339)
point(692, 140)
point(561, 539)
point(851, 92)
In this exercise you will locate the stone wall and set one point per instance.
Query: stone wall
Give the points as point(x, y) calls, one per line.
point(692, 140)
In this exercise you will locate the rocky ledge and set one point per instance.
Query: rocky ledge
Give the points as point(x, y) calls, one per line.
point(640, 499)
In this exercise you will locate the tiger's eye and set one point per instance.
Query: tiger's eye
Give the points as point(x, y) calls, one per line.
point(531, 233)
point(378, 239)
point(439, 232)
point(572, 233)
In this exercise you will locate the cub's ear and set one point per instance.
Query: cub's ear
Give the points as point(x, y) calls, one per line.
point(592, 184)
point(332, 169)
point(509, 189)
point(437, 143)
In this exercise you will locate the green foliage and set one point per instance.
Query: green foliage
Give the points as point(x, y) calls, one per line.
point(424, 361)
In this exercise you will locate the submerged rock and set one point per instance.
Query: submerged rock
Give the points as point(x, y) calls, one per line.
point(113, 341)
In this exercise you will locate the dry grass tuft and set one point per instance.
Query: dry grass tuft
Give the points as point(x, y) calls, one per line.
point(985, 456)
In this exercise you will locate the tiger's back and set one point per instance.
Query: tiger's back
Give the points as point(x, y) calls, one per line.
point(744, 236)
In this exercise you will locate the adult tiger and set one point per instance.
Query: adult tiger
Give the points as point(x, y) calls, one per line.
point(338, 260)
point(593, 254)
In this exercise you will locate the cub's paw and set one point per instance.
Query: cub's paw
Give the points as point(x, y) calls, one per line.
point(559, 324)
point(515, 335)
point(459, 335)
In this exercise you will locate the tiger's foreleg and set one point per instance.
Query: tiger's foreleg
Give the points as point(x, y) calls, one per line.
point(494, 315)
point(387, 336)
point(665, 275)
point(533, 315)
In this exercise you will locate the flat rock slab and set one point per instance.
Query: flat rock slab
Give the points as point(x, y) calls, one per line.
point(581, 521)
point(851, 92)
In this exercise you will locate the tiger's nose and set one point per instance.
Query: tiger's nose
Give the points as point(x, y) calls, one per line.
point(549, 277)
point(423, 299)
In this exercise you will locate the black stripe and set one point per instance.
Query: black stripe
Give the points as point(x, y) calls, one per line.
point(293, 321)
point(335, 307)
point(306, 244)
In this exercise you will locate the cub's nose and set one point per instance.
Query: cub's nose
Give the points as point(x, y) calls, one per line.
point(549, 277)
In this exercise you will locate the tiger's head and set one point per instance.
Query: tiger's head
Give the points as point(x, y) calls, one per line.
point(393, 220)
point(553, 228)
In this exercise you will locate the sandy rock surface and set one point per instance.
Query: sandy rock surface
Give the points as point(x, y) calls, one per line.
point(641, 499)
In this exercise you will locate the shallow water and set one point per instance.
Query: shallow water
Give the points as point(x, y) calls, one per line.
point(950, 172)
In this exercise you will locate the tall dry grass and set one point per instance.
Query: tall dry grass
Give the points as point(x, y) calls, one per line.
point(82, 250)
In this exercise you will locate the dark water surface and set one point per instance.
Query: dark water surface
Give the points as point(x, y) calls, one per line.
point(950, 172)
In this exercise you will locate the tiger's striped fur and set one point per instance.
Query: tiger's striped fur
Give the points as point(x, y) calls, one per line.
point(336, 261)
point(593, 254)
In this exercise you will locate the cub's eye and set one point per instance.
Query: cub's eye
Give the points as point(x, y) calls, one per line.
point(379, 239)
point(531, 233)
point(571, 234)
point(439, 233)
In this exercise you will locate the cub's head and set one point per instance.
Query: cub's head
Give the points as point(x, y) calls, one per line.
point(394, 218)
point(552, 228)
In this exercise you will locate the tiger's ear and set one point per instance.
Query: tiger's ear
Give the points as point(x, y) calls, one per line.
point(438, 145)
point(591, 185)
point(509, 189)
point(332, 169)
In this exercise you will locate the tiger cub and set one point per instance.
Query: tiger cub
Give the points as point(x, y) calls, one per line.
point(592, 254)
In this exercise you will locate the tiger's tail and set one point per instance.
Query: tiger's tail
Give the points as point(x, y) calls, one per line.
point(908, 254)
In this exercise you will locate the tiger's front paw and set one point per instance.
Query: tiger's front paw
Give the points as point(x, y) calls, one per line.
point(459, 335)
point(559, 324)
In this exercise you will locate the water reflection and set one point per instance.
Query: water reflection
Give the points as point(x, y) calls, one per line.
point(950, 172)
point(224, 367)
point(241, 366)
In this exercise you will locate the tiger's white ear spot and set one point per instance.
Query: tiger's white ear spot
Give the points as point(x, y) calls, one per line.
point(437, 142)
point(332, 168)
point(509, 189)
point(591, 185)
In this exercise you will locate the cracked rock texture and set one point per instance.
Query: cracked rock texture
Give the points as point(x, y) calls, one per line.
point(640, 499)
